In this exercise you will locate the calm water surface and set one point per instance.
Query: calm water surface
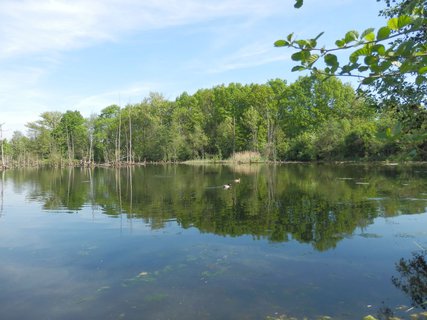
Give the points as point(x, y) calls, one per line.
point(168, 242)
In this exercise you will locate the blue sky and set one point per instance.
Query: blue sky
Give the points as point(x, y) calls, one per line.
point(58, 55)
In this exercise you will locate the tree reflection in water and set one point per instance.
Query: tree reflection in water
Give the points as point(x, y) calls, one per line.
point(315, 204)
point(412, 278)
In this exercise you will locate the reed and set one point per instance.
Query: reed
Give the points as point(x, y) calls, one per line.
point(246, 157)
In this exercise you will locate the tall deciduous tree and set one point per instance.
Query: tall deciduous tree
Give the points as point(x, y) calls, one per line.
point(105, 133)
point(41, 134)
point(72, 134)
point(20, 147)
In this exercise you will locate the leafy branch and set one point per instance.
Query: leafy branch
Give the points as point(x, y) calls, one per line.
point(389, 52)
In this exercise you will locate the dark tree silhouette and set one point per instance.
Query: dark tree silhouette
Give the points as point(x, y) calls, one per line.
point(412, 278)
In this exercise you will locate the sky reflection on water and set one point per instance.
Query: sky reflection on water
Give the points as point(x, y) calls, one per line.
point(168, 242)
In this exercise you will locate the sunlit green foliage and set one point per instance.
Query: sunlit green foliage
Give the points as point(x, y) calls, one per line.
point(41, 134)
point(391, 66)
point(71, 134)
point(106, 134)
point(392, 60)
point(313, 118)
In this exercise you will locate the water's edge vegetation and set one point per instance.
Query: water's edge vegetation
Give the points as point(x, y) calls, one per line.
point(312, 119)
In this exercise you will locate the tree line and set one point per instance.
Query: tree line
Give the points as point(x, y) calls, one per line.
point(311, 119)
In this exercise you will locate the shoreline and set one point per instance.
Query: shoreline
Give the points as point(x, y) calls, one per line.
point(210, 162)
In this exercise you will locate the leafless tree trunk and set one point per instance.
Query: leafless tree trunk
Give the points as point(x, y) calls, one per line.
point(3, 164)
point(118, 138)
point(130, 137)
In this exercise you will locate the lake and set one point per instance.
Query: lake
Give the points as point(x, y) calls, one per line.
point(169, 242)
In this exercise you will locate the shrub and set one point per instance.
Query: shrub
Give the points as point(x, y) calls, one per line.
point(361, 142)
point(329, 142)
point(302, 147)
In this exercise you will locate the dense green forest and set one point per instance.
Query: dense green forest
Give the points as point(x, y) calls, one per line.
point(311, 119)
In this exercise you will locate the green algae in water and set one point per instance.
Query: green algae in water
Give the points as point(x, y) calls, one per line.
point(370, 235)
point(104, 288)
point(141, 277)
point(156, 297)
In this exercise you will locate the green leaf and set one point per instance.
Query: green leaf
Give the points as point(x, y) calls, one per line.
point(298, 3)
point(363, 51)
point(302, 43)
point(422, 70)
point(421, 53)
point(349, 68)
point(405, 48)
point(297, 56)
point(403, 21)
point(370, 60)
point(363, 68)
point(369, 37)
point(383, 66)
point(375, 69)
point(313, 58)
point(405, 67)
point(368, 80)
point(289, 37)
point(281, 43)
point(398, 23)
point(368, 34)
point(319, 35)
point(378, 48)
point(312, 43)
point(367, 31)
point(340, 43)
point(359, 52)
point(393, 23)
point(302, 56)
point(298, 68)
point(331, 60)
point(351, 36)
point(305, 55)
point(383, 33)
point(420, 79)
point(418, 22)
point(353, 57)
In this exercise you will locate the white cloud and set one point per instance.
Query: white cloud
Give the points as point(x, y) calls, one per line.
point(256, 54)
point(133, 93)
point(35, 34)
point(35, 26)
